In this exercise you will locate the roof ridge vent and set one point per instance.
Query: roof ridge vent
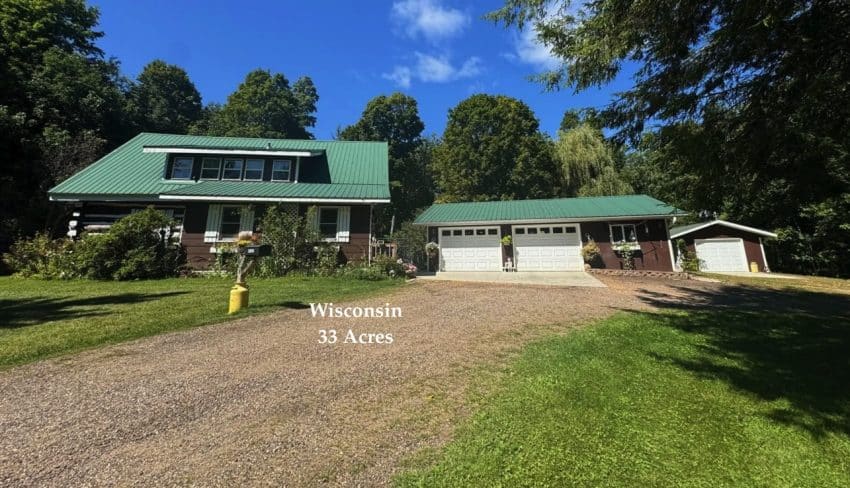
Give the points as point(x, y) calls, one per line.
point(268, 145)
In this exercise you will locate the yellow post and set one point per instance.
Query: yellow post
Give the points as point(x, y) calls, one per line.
point(754, 267)
point(238, 298)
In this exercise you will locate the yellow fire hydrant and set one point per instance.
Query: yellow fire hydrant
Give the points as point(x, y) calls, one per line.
point(238, 298)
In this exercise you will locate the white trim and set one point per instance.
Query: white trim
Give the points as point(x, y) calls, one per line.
point(288, 171)
point(626, 242)
point(343, 223)
point(670, 247)
point(740, 241)
point(297, 167)
point(764, 256)
point(218, 173)
point(241, 169)
point(262, 169)
point(514, 245)
point(274, 199)
point(554, 220)
point(103, 198)
point(441, 265)
point(191, 167)
point(744, 228)
point(241, 152)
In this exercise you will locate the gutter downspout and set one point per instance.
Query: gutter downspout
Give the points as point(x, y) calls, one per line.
point(297, 167)
point(764, 256)
point(670, 247)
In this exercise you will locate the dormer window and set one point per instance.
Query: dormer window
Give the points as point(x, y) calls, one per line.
point(232, 169)
point(182, 169)
point(254, 169)
point(281, 170)
point(211, 169)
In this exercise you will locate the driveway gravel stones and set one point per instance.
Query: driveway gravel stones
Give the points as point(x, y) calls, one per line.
point(259, 401)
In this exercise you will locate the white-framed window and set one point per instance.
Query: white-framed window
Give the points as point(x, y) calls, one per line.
point(182, 168)
point(328, 222)
point(281, 170)
point(231, 220)
point(254, 169)
point(232, 169)
point(210, 168)
point(332, 223)
point(623, 235)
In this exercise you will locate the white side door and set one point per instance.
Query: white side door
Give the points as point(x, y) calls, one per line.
point(722, 254)
point(470, 249)
point(553, 247)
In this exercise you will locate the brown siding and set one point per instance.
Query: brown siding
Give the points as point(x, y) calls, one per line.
point(198, 254)
point(357, 247)
point(654, 254)
point(752, 246)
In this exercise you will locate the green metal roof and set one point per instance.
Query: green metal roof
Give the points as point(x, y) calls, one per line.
point(353, 168)
point(557, 208)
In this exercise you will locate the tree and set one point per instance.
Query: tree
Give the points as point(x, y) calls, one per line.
point(395, 119)
point(491, 150)
point(265, 105)
point(55, 87)
point(164, 99)
point(588, 163)
point(768, 81)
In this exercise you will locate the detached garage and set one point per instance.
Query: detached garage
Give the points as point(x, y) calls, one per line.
point(724, 246)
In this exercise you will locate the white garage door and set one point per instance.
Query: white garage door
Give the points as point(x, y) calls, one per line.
point(547, 248)
point(721, 254)
point(470, 249)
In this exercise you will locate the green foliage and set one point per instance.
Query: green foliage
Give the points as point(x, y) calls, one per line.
point(751, 101)
point(390, 266)
point(591, 253)
point(164, 99)
point(642, 399)
point(492, 150)
point(50, 318)
point(687, 260)
point(264, 105)
point(587, 164)
point(395, 119)
point(507, 240)
point(42, 257)
point(291, 237)
point(411, 240)
point(327, 260)
point(627, 257)
point(138, 246)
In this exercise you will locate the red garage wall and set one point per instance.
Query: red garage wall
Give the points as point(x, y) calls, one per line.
point(654, 252)
point(752, 246)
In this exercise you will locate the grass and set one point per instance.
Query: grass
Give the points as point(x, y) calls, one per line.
point(799, 282)
point(737, 394)
point(40, 319)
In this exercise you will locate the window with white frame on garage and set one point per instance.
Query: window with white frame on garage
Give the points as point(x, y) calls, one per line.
point(623, 234)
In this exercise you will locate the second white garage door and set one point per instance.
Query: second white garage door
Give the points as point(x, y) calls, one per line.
point(470, 249)
point(547, 248)
point(721, 254)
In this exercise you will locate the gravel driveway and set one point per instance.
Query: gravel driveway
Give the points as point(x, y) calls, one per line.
point(259, 401)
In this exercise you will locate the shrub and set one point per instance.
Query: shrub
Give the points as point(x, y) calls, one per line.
point(392, 267)
point(292, 240)
point(688, 260)
point(368, 273)
point(591, 254)
point(42, 257)
point(138, 246)
point(327, 259)
point(412, 241)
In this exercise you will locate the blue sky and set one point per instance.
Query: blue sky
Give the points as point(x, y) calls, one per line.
point(438, 51)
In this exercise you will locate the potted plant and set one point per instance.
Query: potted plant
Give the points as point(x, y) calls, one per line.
point(591, 254)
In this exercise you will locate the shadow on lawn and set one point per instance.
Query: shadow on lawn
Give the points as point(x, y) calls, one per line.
point(20, 313)
point(787, 345)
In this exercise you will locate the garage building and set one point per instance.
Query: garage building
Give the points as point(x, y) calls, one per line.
point(722, 246)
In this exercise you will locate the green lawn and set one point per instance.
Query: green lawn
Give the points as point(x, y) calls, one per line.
point(40, 319)
point(730, 395)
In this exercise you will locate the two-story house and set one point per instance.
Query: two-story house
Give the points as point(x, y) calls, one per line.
point(216, 187)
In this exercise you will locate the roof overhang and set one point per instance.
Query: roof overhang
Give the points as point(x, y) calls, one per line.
point(548, 220)
point(226, 151)
point(731, 225)
point(274, 199)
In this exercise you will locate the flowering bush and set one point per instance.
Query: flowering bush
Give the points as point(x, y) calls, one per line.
point(410, 270)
